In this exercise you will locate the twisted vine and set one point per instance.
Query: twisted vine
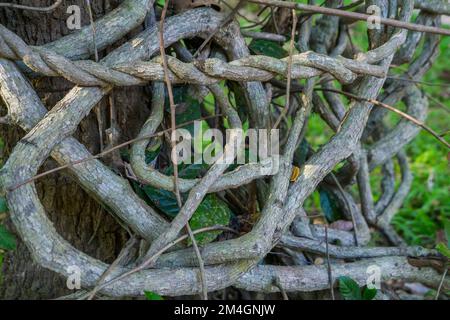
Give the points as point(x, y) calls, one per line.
point(235, 261)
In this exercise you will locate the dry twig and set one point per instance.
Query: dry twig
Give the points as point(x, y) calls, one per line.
point(353, 15)
point(289, 78)
point(390, 108)
point(22, 7)
point(174, 154)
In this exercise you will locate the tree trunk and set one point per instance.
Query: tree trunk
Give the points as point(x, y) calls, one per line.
point(76, 216)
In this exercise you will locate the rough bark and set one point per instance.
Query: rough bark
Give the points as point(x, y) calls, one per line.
point(79, 222)
point(76, 216)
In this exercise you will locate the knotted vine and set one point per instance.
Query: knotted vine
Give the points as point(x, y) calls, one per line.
point(321, 68)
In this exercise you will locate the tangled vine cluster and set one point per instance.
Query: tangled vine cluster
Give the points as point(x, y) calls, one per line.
point(361, 143)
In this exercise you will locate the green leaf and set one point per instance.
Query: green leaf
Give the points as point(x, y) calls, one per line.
point(212, 211)
point(300, 153)
point(3, 205)
point(7, 240)
point(267, 48)
point(447, 231)
point(152, 296)
point(369, 294)
point(349, 289)
point(329, 205)
point(443, 249)
point(188, 107)
point(163, 200)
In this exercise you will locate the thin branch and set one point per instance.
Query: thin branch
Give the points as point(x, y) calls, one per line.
point(98, 109)
point(22, 7)
point(175, 154)
point(289, 71)
point(5, 120)
point(113, 133)
point(438, 292)
point(108, 151)
point(390, 108)
point(94, 36)
point(425, 83)
point(264, 35)
point(258, 23)
point(277, 283)
point(437, 103)
point(354, 252)
point(123, 253)
point(353, 15)
point(201, 263)
point(352, 5)
point(237, 12)
point(171, 99)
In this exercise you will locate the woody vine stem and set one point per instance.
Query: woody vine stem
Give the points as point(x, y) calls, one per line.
point(310, 78)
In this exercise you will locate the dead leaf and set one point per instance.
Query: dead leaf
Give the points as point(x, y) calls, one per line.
point(295, 173)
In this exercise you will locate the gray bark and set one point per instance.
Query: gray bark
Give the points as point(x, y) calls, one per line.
point(75, 214)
